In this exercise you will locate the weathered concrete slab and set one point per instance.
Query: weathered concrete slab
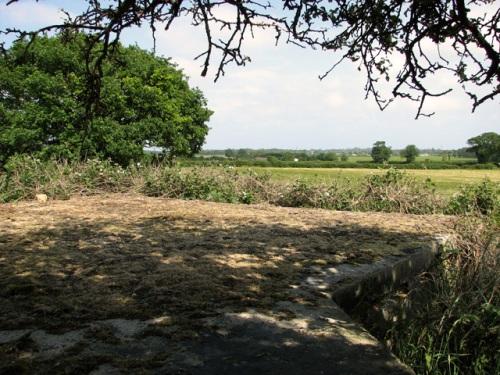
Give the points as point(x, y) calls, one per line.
point(50, 345)
point(122, 284)
point(317, 339)
point(13, 335)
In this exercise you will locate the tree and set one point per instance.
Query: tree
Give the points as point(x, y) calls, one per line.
point(344, 157)
point(327, 156)
point(146, 101)
point(242, 153)
point(486, 147)
point(230, 153)
point(464, 152)
point(410, 153)
point(372, 34)
point(380, 152)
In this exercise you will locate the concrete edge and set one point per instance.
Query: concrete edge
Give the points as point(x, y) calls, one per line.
point(381, 281)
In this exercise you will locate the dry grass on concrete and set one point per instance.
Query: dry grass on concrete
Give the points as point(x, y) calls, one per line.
point(64, 263)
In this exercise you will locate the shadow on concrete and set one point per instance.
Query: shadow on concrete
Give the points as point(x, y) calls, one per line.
point(186, 272)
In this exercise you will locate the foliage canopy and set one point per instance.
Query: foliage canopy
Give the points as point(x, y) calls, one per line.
point(410, 153)
point(45, 105)
point(486, 147)
point(380, 152)
point(425, 37)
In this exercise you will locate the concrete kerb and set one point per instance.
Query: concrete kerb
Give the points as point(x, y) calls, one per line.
point(383, 276)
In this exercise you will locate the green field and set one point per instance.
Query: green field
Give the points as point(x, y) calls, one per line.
point(447, 180)
point(419, 159)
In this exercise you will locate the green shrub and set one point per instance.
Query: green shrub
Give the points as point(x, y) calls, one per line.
point(198, 183)
point(162, 181)
point(302, 194)
point(246, 198)
point(481, 198)
point(26, 176)
point(343, 196)
point(397, 191)
point(335, 196)
point(392, 191)
point(100, 176)
point(258, 185)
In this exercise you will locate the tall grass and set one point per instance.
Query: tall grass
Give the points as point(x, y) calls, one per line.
point(392, 191)
point(25, 177)
point(457, 330)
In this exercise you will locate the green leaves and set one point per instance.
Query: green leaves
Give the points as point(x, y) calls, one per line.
point(45, 107)
point(410, 153)
point(486, 147)
point(380, 152)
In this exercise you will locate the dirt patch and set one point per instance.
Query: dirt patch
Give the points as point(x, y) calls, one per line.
point(64, 264)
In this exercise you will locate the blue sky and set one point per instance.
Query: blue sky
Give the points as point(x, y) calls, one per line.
point(278, 101)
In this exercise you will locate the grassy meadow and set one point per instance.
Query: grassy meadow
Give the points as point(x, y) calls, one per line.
point(447, 181)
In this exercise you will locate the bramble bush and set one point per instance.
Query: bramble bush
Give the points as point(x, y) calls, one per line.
point(223, 185)
point(397, 191)
point(335, 196)
point(481, 198)
point(26, 176)
point(392, 191)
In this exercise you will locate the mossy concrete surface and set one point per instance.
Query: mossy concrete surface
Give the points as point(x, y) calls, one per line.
point(125, 283)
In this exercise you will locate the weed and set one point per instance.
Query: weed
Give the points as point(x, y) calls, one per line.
point(457, 330)
point(481, 198)
point(26, 176)
point(397, 191)
point(392, 191)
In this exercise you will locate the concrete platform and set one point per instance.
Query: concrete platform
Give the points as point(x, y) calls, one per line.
point(128, 284)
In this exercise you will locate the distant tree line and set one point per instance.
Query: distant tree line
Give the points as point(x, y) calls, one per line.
point(484, 147)
point(283, 155)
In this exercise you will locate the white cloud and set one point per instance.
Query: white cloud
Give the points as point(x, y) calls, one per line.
point(31, 15)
